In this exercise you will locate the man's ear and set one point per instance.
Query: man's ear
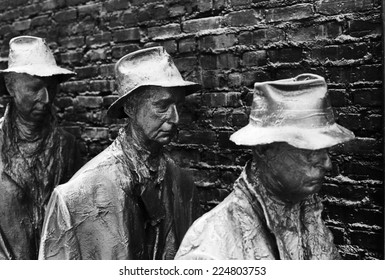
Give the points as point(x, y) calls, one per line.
point(8, 80)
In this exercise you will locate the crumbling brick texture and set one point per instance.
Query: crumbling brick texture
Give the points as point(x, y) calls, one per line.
point(227, 45)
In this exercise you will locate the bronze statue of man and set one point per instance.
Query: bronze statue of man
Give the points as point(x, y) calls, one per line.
point(131, 201)
point(274, 211)
point(35, 154)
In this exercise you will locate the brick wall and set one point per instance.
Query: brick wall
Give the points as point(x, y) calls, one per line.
point(227, 45)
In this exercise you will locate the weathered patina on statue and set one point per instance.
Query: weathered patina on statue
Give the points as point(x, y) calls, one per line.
point(274, 211)
point(131, 201)
point(35, 154)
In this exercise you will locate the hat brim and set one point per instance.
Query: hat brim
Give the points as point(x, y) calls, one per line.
point(116, 108)
point(303, 138)
point(42, 70)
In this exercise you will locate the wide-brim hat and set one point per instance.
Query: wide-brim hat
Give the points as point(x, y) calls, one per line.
point(31, 55)
point(296, 111)
point(152, 67)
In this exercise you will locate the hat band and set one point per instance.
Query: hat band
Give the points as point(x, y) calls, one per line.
point(297, 118)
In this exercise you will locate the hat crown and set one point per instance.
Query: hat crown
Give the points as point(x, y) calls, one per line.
point(296, 111)
point(29, 50)
point(298, 102)
point(152, 66)
point(31, 55)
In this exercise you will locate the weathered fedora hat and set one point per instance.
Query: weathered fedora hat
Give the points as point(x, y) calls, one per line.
point(146, 68)
point(296, 111)
point(31, 55)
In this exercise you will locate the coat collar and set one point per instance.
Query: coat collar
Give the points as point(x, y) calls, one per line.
point(298, 228)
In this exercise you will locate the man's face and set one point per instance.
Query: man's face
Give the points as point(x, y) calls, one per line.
point(158, 115)
point(295, 173)
point(33, 95)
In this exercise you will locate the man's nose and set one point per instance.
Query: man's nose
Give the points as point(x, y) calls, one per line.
point(174, 116)
point(43, 95)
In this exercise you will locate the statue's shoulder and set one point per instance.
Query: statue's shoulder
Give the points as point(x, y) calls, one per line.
point(102, 173)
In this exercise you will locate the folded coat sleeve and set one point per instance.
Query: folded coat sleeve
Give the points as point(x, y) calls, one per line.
point(58, 238)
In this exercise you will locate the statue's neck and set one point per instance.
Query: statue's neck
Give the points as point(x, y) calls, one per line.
point(27, 129)
point(273, 187)
point(144, 144)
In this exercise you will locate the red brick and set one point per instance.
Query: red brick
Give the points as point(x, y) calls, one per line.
point(74, 86)
point(331, 7)
point(285, 55)
point(203, 5)
point(105, 86)
point(176, 11)
point(31, 10)
point(360, 123)
point(71, 57)
point(338, 97)
point(240, 118)
point(370, 73)
point(221, 99)
point(323, 31)
point(367, 239)
point(367, 96)
point(337, 52)
point(119, 51)
point(241, 2)
point(52, 4)
point(11, 15)
point(214, 42)
point(113, 5)
point(89, 101)
point(3, 5)
point(158, 12)
point(6, 29)
point(261, 36)
point(75, 2)
point(22, 25)
point(235, 80)
point(86, 72)
point(359, 146)
point(250, 77)
point(66, 15)
point(295, 12)
point(197, 137)
point(90, 10)
point(186, 156)
point(187, 45)
point(211, 79)
point(221, 61)
point(254, 58)
point(359, 28)
point(96, 55)
point(129, 19)
point(164, 31)
point(196, 25)
point(99, 39)
point(130, 34)
point(72, 42)
point(63, 102)
point(244, 18)
point(219, 4)
point(95, 133)
point(107, 70)
point(220, 118)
